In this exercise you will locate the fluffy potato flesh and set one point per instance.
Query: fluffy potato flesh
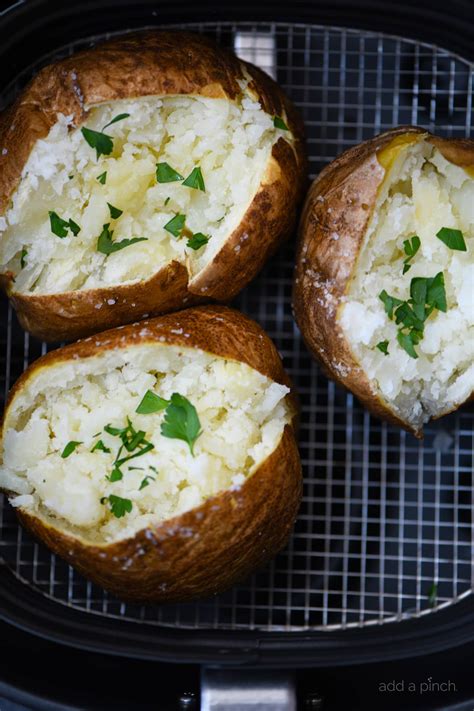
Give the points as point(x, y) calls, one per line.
point(422, 193)
point(229, 142)
point(241, 413)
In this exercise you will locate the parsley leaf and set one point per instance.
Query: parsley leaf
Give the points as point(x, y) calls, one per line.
point(167, 200)
point(389, 302)
point(181, 421)
point(166, 174)
point(151, 403)
point(74, 227)
point(145, 481)
point(454, 239)
point(432, 595)
point(23, 254)
point(407, 342)
point(118, 506)
point(198, 240)
point(59, 227)
point(195, 180)
point(102, 143)
point(119, 117)
point(114, 211)
point(102, 177)
point(176, 225)
point(100, 447)
point(107, 246)
point(410, 247)
point(69, 449)
point(279, 123)
point(116, 475)
point(383, 346)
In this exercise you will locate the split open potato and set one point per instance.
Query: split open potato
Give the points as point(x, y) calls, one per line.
point(159, 459)
point(150, 173)
point(384, 281)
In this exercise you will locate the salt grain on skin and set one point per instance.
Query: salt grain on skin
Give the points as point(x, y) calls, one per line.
point(111, 302)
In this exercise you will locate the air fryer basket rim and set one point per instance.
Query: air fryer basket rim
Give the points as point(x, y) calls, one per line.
point(40, 615)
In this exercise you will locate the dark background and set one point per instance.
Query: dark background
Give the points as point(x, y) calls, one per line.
point(59, 678)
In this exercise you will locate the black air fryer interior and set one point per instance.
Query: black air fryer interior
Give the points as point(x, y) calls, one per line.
point(385, 519)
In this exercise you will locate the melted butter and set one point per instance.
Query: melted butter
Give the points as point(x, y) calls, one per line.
point(386, 157)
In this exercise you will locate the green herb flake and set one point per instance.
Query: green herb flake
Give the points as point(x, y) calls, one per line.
point(118, 506)
point(102, 178)
point(407, 342)
point(105, 245)
point(59, 227)
point(454, 239)
point(102, 143)
point(166, 174)
point(69, 448)
point(181, 421)
point(74, 227)
point(116, 475)
point(114, 211)
point(195, 180)
point(197, 241)
point(145, 481)
point(176, 225)
point(383, 346)
point(100, 447)
point(23, 255)
point(389, 302)
point(433, 595)
point(410, 247)
point(167, 201)
point(151, 403)
point(119, 117)
point(279, 123)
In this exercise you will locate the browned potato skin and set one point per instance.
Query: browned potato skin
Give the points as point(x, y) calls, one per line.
point(341, 200)
point(146, 64)
point(209, 548)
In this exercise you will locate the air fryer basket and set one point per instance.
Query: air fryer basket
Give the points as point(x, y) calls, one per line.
point(380, 562)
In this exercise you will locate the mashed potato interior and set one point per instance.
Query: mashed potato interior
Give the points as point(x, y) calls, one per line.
point(229, 141)
point(242, 416)
point(422, 194)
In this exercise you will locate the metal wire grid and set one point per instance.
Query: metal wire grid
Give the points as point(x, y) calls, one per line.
point(386, 528)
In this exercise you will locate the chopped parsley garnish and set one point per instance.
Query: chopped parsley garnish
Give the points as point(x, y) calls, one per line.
point(198, 240)
point(69, 449)
point(114, 211)
point(116, 475)
point(195, 180)
point(426, 295)
point(151, 403)
point(107, 246)
point(119, 117)
point(166, 174)
point(410, 247)
point(118, 506)
point(102, 143)
point(383, 346)
point(181, 421)
point(145, 481)
point(23, 255)
point(454, 239)
point(167, 201)
point(176, 225)
point(102, 178)
point(131, 440)
point(60, 227)
point(100, 447)
point(279, 123)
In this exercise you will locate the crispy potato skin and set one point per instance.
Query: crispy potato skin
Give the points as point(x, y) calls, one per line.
point(324, 266)
point(209, 548)
point(136, 65)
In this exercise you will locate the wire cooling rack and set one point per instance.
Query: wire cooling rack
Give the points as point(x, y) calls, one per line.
point(386, 527)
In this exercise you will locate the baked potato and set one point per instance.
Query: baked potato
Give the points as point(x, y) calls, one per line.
point(147, 174)
point(159, 459)
point(384, 279)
